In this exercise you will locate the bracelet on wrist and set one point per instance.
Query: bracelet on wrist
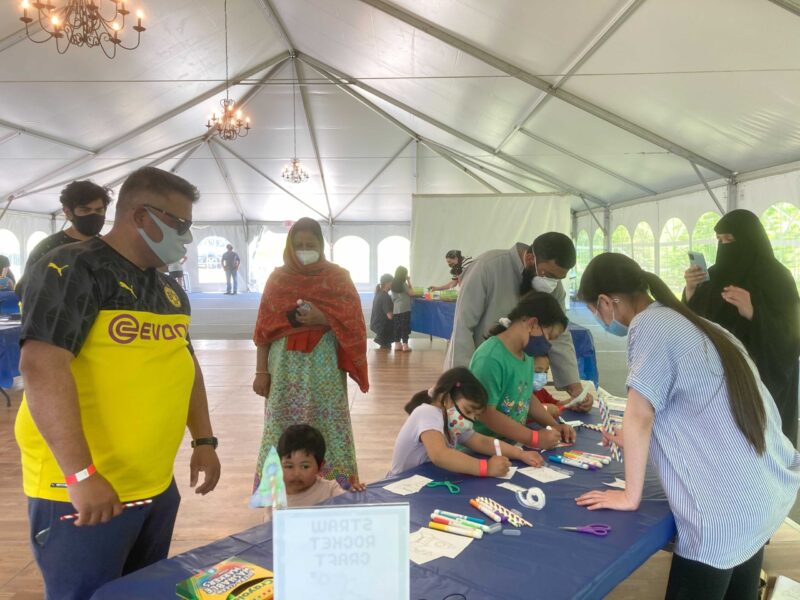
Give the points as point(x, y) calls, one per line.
point(80, 475)
point(534, 439)
point(262, 372)
point(483, 467)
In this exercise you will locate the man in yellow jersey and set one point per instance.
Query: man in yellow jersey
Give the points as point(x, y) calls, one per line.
point(111, 384)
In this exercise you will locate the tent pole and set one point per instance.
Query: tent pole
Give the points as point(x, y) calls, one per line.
point(708, 188)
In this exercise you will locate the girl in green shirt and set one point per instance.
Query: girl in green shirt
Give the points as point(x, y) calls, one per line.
point(506, 371)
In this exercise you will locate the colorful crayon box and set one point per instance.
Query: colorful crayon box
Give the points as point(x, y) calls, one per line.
point(232, 579)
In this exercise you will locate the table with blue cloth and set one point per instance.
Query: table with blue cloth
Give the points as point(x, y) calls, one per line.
point(543, 562)
point(9, 356)
point(435, 318)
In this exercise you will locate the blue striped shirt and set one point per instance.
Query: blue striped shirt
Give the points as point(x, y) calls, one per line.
point(727, 500)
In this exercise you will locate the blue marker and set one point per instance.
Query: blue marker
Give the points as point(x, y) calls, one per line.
point(450, 515)
point(571, 463)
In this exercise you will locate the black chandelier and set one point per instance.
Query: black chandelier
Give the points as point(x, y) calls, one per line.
point(80, 23)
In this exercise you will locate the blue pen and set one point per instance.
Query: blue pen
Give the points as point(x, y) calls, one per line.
point(571, 463)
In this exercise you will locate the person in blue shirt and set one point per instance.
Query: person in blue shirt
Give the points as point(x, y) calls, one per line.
point(709, 424)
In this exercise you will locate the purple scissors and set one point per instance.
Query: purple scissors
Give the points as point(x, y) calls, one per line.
point(599, 529)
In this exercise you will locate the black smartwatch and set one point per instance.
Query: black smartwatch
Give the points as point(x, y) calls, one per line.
point(209, 441)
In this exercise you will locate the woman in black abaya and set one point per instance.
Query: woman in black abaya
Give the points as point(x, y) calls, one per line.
point(754, 296)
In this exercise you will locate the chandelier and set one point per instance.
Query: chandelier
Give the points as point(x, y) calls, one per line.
point(229, 124)
point(80, 23)
point(294, 172)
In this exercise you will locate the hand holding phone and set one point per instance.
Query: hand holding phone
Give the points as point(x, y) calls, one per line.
point(696, 259)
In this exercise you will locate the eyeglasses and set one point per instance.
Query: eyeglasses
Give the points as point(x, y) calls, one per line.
point(181, 225)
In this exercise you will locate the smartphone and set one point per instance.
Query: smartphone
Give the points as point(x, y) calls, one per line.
point(696, 259)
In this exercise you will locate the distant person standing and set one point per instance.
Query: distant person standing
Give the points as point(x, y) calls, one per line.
point(230, 263)
point(401, 309)
point(382, 313)
point(84, 204)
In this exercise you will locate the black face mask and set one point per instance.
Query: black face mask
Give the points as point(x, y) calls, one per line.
point(89, 225)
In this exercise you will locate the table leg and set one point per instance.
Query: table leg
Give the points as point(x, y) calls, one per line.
point(8, 399)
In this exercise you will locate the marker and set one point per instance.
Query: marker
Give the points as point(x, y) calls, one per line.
point(584, 459)
point(486, 510)
point(126, 505)
point(606, 460)
point(497, 447)
point(458, 522)
point(571, 463)
point(450, 515)
point(465, 531)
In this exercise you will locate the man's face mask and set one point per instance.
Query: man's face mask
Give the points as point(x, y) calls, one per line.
point(88, 225)
point(172, 246)
point(537, 346)
point(543, 284)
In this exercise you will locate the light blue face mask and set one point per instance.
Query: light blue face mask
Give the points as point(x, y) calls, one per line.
point(539, 381)
point(172, 246)
point(615, 328)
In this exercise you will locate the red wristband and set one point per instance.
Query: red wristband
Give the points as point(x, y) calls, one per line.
point(484, 468)
point(80, 475)
point(534, 438)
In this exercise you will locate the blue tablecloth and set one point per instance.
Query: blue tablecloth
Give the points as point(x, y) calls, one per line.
point(434, 317)
point(543, 562)
point(9, 355)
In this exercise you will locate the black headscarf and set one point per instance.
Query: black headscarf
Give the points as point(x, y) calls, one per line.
point(772, 337)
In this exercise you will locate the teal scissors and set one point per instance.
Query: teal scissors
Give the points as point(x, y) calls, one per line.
point(599, 529)
point(450, 485)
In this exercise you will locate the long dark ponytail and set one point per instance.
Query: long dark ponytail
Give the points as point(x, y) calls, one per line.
point(612, 273)
point(541, 305)
point(458, 382)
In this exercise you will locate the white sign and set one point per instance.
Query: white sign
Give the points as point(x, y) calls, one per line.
point(342, 552)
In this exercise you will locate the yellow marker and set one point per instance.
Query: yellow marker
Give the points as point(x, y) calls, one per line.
point(465, 531)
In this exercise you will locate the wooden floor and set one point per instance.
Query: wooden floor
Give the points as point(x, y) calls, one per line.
point(237, 415)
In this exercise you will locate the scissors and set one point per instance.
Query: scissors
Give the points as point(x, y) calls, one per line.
point(599, 529)
point(450, 485)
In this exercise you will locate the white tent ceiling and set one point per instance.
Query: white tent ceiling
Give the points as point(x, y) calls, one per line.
point(638, 89)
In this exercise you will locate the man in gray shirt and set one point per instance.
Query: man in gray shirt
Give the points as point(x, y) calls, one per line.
point(493, 286)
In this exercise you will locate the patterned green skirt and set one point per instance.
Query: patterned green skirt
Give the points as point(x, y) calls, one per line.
point(309, 388)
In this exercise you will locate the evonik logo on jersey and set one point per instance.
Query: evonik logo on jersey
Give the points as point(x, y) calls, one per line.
point(126, 328)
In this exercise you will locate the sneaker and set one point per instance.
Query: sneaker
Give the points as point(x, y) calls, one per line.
point(406, 348)
point(398, 347)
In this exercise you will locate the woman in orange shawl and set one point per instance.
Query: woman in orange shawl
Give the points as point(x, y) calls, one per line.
point(310, 334)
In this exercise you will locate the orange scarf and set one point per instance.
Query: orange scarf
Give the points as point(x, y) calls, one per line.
point(329, 288)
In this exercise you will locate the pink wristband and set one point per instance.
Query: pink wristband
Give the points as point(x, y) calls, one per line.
point(80, 475)
point(534, 439)
point(483, 468)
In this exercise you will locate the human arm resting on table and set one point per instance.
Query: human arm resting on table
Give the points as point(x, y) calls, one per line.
point(637, 428)
point(539, 414)
point(52, 399)
point(451, 459)
point(484, 444)
point(204, 457)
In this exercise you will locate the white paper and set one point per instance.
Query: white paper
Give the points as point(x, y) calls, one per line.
point(785, 589)
point(575, 423)
point(513, 487)
point(510, 474)
point(429, 544)
point(410, 485)
point(617, 483)
point(543, 474)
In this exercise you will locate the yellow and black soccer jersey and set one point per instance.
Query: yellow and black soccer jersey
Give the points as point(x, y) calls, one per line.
point(129, 332)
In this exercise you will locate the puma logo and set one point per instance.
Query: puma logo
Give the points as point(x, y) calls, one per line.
point(59, 270)
point(128, 288)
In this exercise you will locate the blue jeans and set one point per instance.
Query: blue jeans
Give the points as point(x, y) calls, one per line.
point(230, 275)
point(76, 561)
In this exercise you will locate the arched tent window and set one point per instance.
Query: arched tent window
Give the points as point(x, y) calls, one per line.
point(266, 254)
point(33, 241)
point(621, 241)
point(704, 238)
point(782, 222)
point(209, 259)
point(644, 247)
point(673, 261)
point(598, 243)
point(9, 246)
point(583, 250)
point(393, 251)
point(352, 253)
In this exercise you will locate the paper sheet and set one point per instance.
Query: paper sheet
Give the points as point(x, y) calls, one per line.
point(429, 544)
point(617, 483)
point(513, 487)
point(543, 474)
point(575, 423)
point(510, 474)
point(410, 485)
point(785, 589)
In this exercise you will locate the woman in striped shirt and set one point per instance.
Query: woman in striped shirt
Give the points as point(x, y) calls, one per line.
point(730, 476)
